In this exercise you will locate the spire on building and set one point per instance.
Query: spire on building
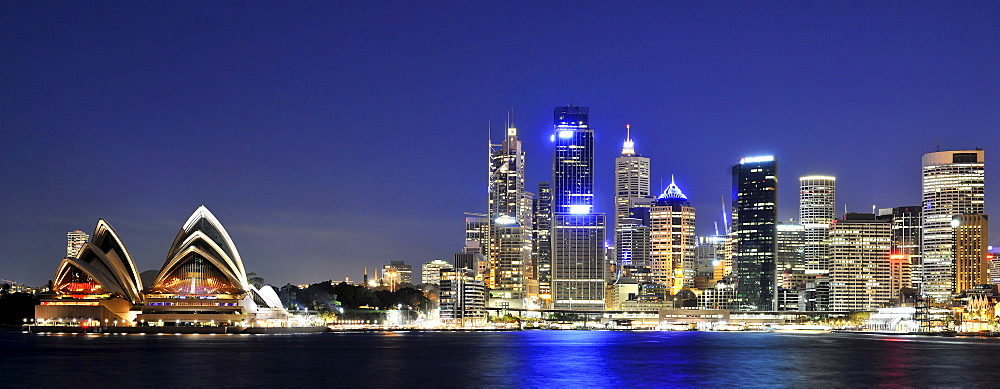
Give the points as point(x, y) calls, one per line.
point(673, 192)
point(628, 148)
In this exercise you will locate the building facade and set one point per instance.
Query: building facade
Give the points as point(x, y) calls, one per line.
point(817, 209)
point(755, 218)
point(631, 178)
point(510, 216)
point(74, 242)
point(859, 258)
point(972, 266)
point(953, 184)
point(672, 240)
point(578, 252)
point(430, 272)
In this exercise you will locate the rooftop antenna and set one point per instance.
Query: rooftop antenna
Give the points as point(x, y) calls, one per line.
point(570, 97)
point(938, 145)
point(716, 227)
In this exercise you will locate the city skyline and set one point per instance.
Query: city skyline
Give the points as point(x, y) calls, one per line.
point(138, 123)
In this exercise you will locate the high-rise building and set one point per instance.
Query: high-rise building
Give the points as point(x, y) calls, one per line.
point(859, 263)
point(953, 184)
point(905, 248)
point(543, 241)
point(971, 264)
point(817, 209)
point(578, 252)
point(755, 218)
point(510, 223)
point(430, 272)
point(74, 242)
point(631, 178)
point(672, 240)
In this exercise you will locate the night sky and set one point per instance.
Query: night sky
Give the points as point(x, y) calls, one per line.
point(330, 136)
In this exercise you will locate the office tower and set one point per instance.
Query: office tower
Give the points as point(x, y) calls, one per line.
point(397, 273)
point(542, 240)
point(672, 240)
point(430, 272)
point(74, 242)
point(578, 253)
point(859, 263)
point(462, 298)
point(755, 217)
point(970, 250)
point(790, 246)
point(631, 178)
point(511, 223)
point(953, 184)
point(817, 209)
point(905, 247)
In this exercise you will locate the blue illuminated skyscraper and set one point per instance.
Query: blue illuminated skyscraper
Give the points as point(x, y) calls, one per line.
point(578, 252)
point(755, 219)
point(573, 161)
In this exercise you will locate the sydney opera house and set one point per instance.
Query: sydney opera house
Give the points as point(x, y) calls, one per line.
point(201, 283)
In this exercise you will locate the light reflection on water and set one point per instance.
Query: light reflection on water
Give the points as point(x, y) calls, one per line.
point(503, 359)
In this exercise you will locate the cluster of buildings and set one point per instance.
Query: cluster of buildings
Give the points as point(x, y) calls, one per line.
point(550, 250)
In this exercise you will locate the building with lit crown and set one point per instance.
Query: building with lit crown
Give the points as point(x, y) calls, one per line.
point(631, 178)
point(672, 240)
point(578, 252)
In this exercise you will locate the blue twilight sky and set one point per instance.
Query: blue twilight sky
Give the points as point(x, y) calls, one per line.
point(328, 136)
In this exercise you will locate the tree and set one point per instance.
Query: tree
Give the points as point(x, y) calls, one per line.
point(255, 280)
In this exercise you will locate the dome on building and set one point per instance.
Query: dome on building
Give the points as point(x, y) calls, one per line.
point(102, 267)
point(673, 192)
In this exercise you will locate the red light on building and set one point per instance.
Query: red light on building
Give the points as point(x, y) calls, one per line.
point(898, 257)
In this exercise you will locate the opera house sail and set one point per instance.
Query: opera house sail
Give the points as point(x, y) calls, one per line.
point(99, 285)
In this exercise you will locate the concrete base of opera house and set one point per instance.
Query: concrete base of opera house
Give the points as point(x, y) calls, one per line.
point(37, 329)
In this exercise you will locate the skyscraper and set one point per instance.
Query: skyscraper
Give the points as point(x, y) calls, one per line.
point(578, 253)
point(510, 222)
point(859, 263)
point(971, 264)
point(631, 178)
point(905, 246)
point(755, 217)
point(543, 241)
point(817, 209)
point(673, 240)
point(74, 242)
point(953, 184)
